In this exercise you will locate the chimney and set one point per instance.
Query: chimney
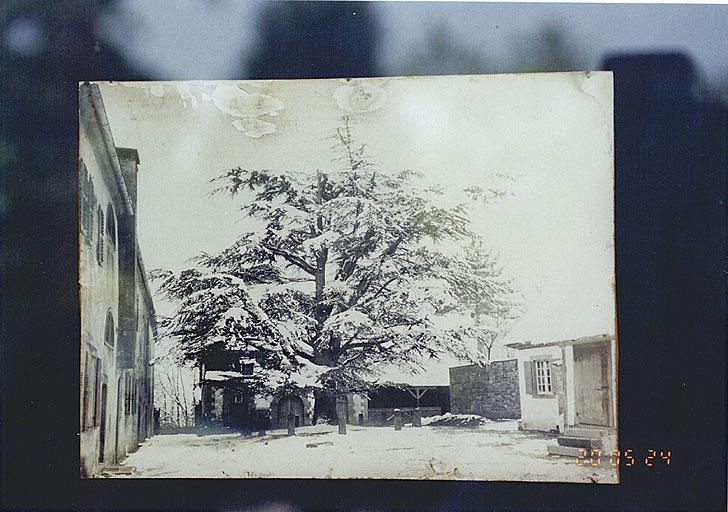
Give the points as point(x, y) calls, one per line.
point(126, 225)
point(129, 162)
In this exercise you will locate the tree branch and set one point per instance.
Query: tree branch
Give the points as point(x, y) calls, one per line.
point(293, 259)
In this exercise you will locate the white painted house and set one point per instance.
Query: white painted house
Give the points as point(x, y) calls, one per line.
point(569, 387)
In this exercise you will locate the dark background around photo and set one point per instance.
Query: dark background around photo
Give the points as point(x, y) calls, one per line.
point(671, 125)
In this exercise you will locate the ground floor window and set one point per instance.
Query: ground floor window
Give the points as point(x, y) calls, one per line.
point(542, 370)
point(97, 386)
point(84, 407)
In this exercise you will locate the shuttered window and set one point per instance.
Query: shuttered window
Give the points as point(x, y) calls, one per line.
point(97, 386)
point(87, 204)
point(84, 411)
point(542, 369)
point(539, 377)
point(111, 225)
point(100, 236)
point(109, 330)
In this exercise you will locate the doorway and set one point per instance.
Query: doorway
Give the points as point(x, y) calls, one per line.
point(290, 405)
point(102, 433)
point(592, 385)
point(118, 417)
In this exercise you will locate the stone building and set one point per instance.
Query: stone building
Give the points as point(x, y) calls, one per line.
point(490, 391)
point(118, 328)
point(228, 399)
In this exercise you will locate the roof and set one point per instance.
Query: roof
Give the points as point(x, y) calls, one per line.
point(499, 360)
point(525, 345)
point(148, 300)
point(90, 96)
point(128, 154)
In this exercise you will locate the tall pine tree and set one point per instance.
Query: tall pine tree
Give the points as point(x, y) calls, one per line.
point(342, 274)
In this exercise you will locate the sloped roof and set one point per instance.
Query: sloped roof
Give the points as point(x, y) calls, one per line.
point(524, 345)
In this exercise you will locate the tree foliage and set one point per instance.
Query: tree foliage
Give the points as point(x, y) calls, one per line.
point(341, 274)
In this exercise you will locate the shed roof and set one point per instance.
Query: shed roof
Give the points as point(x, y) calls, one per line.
point(525, 345)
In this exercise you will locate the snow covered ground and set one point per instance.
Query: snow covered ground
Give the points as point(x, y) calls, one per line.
point(495, 451)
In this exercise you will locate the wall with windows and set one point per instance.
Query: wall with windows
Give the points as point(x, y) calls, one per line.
point(542, 387)
point(117, 314)
point(98, 274)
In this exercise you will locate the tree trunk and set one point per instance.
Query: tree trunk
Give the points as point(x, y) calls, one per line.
point(324, 405)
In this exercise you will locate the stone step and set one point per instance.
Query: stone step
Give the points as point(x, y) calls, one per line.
point(566, 451)
point(117, 469)
point(592, 433)
point(579, 442)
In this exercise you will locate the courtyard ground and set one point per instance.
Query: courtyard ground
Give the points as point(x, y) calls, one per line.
point(495, 451)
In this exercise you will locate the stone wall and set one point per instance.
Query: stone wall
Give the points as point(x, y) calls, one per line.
point(358, 405)
point(490, 391)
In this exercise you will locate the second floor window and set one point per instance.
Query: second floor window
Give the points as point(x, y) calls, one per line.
point(109, 331)
point(100, 236)
point(111, 225)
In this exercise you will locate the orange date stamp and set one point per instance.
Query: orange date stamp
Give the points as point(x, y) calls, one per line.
point(624, 458)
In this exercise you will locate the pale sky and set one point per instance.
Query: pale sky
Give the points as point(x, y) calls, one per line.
point(551, 132)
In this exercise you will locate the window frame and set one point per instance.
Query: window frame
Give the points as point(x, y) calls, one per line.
point(101, 232)
point(97, 391)
point(87, 200)
point(543, 377)
point(111, 228)
point(110, 330)
point(84, 407)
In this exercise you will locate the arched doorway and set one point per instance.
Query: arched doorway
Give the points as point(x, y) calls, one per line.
point(290, 404)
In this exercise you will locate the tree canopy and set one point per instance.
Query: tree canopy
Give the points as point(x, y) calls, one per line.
point(341, 274)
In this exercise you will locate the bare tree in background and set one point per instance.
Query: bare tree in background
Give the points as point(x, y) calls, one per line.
point(175, 402)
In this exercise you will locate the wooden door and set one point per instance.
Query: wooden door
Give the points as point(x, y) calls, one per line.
point(591, 376)
point(290, 405)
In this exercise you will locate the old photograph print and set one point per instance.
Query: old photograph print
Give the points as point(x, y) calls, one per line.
point(382, 278)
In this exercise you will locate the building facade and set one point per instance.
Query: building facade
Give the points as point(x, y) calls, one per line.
point(118, 327)
point(228, 399)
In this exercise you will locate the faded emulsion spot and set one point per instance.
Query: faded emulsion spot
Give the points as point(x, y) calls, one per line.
point(361, 96)
point(249, 109)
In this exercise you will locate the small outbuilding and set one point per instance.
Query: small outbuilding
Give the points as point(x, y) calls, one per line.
point(569, 387)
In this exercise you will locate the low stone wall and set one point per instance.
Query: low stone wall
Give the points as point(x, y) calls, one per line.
point(490, 391)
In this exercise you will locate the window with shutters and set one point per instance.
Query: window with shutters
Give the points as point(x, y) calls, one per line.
point(127, 395)
point(97, 387)
point(111, 225)
point(542, 374)
point(87, 204)
point(100, 236)
point(84, 411)
point(109, 330)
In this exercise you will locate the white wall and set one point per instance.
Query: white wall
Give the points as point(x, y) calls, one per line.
point(539, 412)
point(570, 384)
point(98, 294)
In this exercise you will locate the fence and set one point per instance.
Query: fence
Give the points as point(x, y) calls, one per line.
point(385, 416)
